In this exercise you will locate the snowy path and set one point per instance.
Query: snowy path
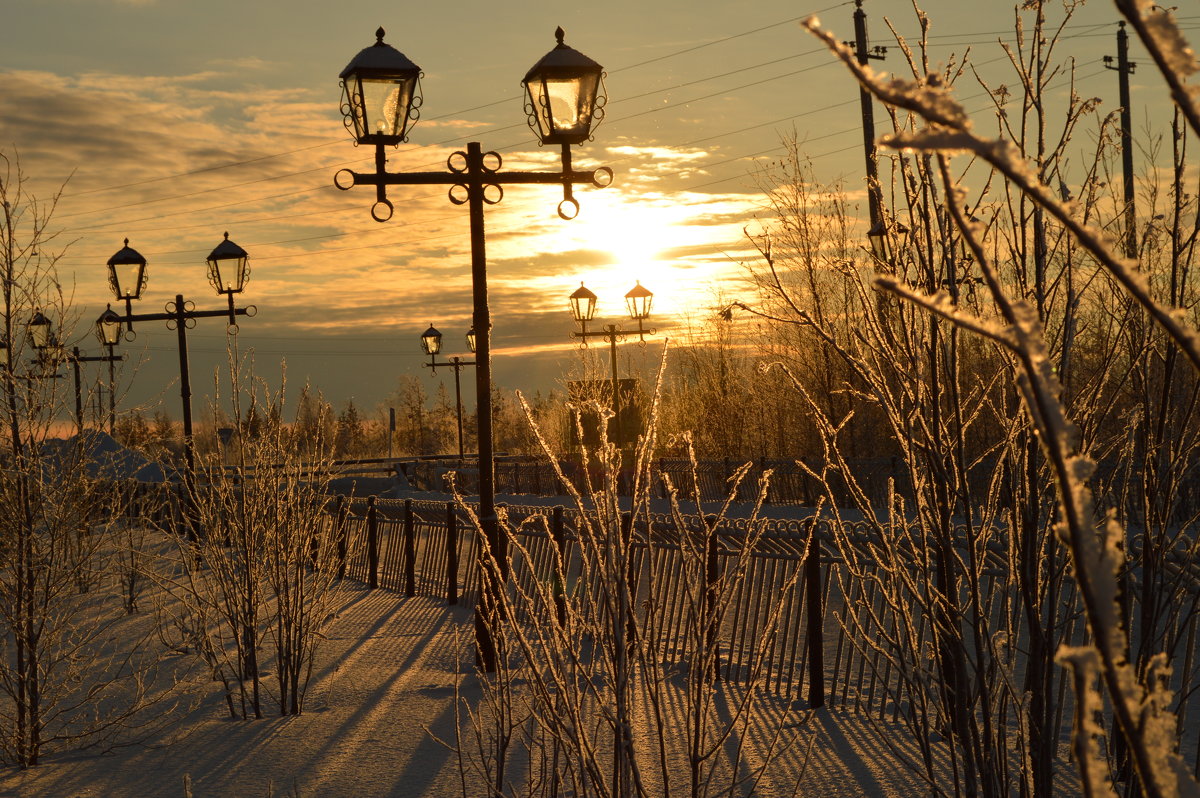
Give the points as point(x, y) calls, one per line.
point(386, 674)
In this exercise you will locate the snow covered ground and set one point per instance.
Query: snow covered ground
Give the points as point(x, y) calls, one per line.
point(383, 688)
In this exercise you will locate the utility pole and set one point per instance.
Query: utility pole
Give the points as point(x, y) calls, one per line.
point(864, 56)
point(1124, 69)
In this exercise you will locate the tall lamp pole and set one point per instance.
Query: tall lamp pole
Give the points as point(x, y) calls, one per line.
point(228, 270)
point(431, 342)
point(380, 99)
point(583, 308)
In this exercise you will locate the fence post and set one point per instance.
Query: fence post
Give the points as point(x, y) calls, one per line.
point(711, 588)
point(410, 551)
point(816, 618)
point(372, 544)
point(451, 555)
point(560, 564)
point(343, 531)
point(630, 581)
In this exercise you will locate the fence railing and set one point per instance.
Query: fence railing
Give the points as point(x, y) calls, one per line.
point(801, 621)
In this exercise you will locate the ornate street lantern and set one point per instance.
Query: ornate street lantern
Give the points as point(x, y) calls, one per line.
point(471, 339)
point(39, 331)
point(228, 267)
point(563, 96)
point(431, 341)
point(638, 302)
point(380, 94)
point(109, 327)
point(127, 273)
point(583, 304)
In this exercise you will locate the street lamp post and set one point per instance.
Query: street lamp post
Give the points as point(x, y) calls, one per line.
point(381, 99)
point(51, 354)
point(431, 342)
point(228, 270)
point(583, 308)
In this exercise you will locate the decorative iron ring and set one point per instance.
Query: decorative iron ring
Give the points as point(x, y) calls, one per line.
point(572, 209)
point(377, 210)
point(171, 325)
point(251, 311)
point(130, 335)
point(459, 200)
point(232, 329)
point(483, 162)
point(484, 193)
point(457, 169)
point(602, 177)
point(189, 322)
point(337, 180)
point(188, 306)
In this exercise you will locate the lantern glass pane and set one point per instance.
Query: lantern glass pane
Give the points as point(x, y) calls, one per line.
point(384, 109)
point(108, 329)
point(565, 105)
point(127, 277)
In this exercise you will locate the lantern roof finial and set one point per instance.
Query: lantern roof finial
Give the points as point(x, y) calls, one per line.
point(558, 34)
point(379, 32)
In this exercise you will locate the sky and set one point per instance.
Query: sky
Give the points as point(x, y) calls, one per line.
point(171, 122)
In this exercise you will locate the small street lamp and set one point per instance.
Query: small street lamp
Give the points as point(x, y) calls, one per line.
point(108, 331)
point(51, 354)
point(564, 100)
point(583, 308)
point(228, 270)
point(431, 343)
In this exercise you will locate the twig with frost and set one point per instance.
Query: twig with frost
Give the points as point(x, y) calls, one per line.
point(950, 131)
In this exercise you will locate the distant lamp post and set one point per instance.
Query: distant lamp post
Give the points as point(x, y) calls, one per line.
point(108, 330)
point(564, 102)
point(431, 342)
point(228, 270)
point(583, 308)
point(52, 354)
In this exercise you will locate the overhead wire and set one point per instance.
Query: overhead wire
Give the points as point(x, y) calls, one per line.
point(957, 39)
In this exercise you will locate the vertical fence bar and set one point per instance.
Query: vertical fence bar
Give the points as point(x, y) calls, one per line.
point(558, 535)
point(711, 588)
point(410, 550)
point(342, 531)
point(816, 618)
point(451, 555)
point(372, 543)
